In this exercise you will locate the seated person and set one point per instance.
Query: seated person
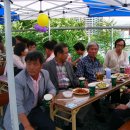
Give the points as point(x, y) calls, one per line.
point(31, 45)
point(86, 68)
point(49, 49)
point(60, 70)
point(80, 50)
point(114, 60)
point(120, 115)
point(31, 84)
point(18, 39)
point(117, 57)
point(20, 51)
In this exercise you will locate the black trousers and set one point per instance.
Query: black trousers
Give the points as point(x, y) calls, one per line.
point(118, 118)
point(39, 119)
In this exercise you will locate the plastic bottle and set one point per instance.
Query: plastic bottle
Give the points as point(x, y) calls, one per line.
point(108, 73)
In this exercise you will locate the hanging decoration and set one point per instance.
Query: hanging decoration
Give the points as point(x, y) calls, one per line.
point(40, 28)
point(42, 23)
point(43, 20)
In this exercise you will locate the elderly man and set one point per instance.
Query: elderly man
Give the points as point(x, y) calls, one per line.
point(31, 86)
point(61, 72)
point(86, 68)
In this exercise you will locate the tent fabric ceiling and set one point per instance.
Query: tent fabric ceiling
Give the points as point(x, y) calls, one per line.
point(107, 8)
point(29, 9)
point(14, 15)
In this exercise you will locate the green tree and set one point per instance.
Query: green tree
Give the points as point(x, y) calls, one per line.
point(70, 37)
point(103, 37)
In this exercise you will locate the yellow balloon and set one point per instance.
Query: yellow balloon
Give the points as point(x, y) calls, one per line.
point(43, 20)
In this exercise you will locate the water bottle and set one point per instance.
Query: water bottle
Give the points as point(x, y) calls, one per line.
point(108, 73)
point(129, 60)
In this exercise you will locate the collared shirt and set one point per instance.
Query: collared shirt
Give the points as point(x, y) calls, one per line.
point(128, 104)
point(87, 68)
point(36, 88)
point(51, 57)
point(19, 62)
point(63, 79)
point(114, 61)
point(84, 54)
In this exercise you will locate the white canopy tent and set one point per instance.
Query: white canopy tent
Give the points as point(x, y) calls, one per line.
point(29, 9)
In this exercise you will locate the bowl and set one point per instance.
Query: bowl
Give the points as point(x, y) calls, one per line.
point(67, 94)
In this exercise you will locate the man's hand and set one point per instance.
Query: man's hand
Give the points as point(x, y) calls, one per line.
point(29, 127)
point(126, 91)
point(122, 107)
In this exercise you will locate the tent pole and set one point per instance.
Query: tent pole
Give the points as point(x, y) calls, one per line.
point(9, 59)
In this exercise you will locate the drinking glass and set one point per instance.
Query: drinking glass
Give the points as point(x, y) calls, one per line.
point(99, 73)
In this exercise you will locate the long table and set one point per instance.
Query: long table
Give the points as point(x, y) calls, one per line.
point(72, 105)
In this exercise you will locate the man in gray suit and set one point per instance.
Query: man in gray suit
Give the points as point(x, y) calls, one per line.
point(61, 71)
point(31, 85)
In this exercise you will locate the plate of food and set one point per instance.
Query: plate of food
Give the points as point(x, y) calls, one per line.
point(121, 76)
point(80, 91)
point(99, 85)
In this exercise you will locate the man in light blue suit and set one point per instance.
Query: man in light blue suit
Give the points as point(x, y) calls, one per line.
point(31, 85)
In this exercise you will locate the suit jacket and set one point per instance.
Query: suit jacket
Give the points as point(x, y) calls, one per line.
point(51, 67)
point(25, 93)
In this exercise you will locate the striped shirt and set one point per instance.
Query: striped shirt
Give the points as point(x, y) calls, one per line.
point(63, 79)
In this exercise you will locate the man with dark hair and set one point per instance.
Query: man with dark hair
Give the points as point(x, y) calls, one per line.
point(31, 84)
point(117, 57)
point(31, 45)
point(80, 50)
point(49, 47)
point(61, 72)
point(18, 39)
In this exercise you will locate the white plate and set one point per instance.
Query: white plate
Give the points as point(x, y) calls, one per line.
point(75, 91)
point(95, 83)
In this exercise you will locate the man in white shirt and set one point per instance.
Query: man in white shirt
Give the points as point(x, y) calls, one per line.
point(49, 46)
point(80, 50)
point(117, 57)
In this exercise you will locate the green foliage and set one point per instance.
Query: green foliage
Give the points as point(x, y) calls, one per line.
point(103, 37)
point(70, 37)
point(100, 58)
